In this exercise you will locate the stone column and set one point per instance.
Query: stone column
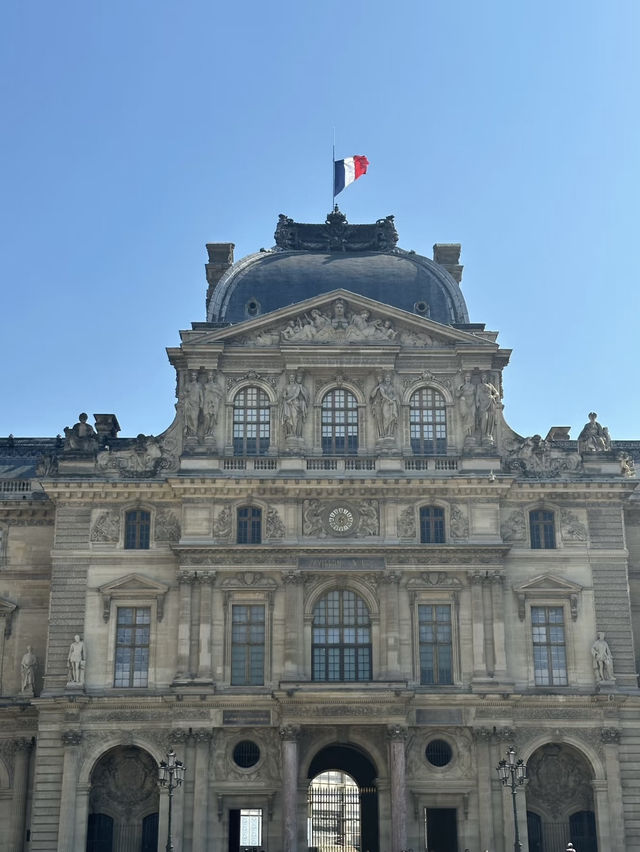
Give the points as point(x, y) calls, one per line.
point(477, 626)
point(204, 657)
point(484, 777)
point(603, 821)
point(611, 739)
point(499, 645)
point(82, 815)
point(289, 735)
point(294, 623)
point(66, 827)
point(178, 739)
point(19, 801)
point(398, 772)
point(184, 626)
point(390, 662)
point(201, 791)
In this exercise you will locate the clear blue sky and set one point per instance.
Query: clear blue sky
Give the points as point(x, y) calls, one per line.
point(135, 132)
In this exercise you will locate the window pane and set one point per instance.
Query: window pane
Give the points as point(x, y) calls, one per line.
point(251, 422)
point(339, 419)
point(341, 652)
point(436, 650)
point(549, 653)
point(132, 647)
point(427, 418)
point(247, 645)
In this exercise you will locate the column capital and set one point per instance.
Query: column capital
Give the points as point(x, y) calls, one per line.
point(290, 733)
point(205, 578)
point(397, 732)
point(71, 738)
point(292, 578)
point(610, 736)
point(22, 744)
point(187, 577)
point(202, 736)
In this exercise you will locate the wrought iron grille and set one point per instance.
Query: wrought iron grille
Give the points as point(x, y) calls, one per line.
point(334, 817)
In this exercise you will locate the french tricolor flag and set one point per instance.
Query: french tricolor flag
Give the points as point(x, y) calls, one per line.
point(347, 170)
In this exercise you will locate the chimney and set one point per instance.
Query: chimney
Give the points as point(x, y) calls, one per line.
point(448, 255)
point(220, 259)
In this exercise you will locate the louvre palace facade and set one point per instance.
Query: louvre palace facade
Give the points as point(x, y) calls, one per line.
point(339, 586)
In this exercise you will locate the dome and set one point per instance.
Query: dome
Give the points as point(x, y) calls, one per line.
point(308, 260)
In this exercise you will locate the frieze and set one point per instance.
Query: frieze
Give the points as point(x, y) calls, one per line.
point(428, 579)
point(347, 563)
point(244, 579)
point(345, 710)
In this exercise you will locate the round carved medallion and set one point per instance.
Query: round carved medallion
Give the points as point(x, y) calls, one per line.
point(341, 519)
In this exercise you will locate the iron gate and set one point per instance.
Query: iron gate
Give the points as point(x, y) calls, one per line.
point(334, 817)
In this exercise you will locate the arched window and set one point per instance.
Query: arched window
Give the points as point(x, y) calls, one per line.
point(249, 526)
point(341, 645)
point(542, 527)
point(339, 423)
point(428, 422)
point(137, 526)
point(251, 422)
point(431, 525)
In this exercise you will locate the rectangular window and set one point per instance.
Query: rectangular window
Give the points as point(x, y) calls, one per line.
point(250, 828)
point(249, 525)
point(132, 646)
point(549, 650)
point(543, 531)
point(247, 645)
point(436, 649)
point(431, 525)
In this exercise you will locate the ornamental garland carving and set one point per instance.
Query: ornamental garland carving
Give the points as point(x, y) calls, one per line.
point(459, 523)
point(167, 526)
point(106, 527)
point(514, 527)
point(252, 376)
point(429, 377)
point(222, 524)
point(274, 526)
point(571, 527)
point(407, 523)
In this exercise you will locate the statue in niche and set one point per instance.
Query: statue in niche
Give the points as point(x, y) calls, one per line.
point(76, 661)
point(210, 404)
point(466, 394)
point(192, 404)
point(295, 404)
point(594, 438)
point(384, 402)
point(81, 437)
point(602, 659)
point(487, 402)
point(28, 667)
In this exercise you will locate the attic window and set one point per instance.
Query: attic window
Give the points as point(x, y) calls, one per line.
point(252, 308)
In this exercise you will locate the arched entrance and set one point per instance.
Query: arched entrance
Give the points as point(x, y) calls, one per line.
point(342, 811)
point(123, 803)
point(560, 800)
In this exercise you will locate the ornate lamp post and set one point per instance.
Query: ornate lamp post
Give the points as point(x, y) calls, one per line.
point(513, 773)
point(170, 775)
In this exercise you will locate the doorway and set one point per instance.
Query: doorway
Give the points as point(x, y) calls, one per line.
point(440, 830)
point(342, 801)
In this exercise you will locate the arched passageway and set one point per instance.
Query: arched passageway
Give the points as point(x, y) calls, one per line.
point(560, 804)
point(342, 801)
point(123, 803)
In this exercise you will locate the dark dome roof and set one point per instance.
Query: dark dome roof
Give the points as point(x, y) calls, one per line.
point(269, 280)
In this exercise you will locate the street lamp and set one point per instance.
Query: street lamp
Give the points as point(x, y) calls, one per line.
point(513, 773)
point(170, 775)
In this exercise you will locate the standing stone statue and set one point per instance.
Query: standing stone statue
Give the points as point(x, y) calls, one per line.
point(76, 661)
point(594, 438)
point(295, 404)
point(466, 395)
point(210, 404)
point(192, 405)
point(28, 668)
point(487, 402)
point(602, 659)
point(384, 402)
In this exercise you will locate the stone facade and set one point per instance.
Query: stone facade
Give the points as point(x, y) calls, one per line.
point(337, 557)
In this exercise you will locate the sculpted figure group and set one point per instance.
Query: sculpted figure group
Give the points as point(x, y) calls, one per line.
point(317, 326)
point(200, 404)
point(478, 406)
point(594, 438)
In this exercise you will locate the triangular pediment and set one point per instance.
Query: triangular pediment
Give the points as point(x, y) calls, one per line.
point(6, 608)
point(338, 318)
point(134, 584)
point(548, 584)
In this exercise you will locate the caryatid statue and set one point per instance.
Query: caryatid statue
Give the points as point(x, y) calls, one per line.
point(76, 661)
point(384, 402)
point(211, 397)
point(295, 404)
point(28, 668)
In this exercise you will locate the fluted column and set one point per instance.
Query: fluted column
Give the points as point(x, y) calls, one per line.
point(204, 657)
point(398, 771)
point(499, 644)
point(611, 739)
point(289, 735)
point(184, 626)
point(485, 773)
point(201, 790)
point(19, 801)
point(477, 626)
point(66, 826)
point(294, 623)
point(390, 663)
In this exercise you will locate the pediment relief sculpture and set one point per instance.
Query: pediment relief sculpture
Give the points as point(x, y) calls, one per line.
point(337, 323)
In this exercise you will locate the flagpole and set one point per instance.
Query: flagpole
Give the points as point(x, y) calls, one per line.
point(333, 172)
